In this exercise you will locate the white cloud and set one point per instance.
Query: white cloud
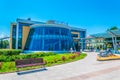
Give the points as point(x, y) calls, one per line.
point(2, 35)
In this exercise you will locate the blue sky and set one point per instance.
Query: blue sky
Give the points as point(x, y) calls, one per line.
point(94, 15)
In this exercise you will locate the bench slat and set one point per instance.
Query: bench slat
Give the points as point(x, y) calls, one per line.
point(20, 66)
point(29, 62)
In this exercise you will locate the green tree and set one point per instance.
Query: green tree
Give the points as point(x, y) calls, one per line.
point(4, 44)
point(113, 28)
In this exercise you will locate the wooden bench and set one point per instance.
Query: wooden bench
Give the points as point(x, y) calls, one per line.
point(29, 62)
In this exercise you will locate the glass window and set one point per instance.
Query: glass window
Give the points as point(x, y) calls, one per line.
point(14, 36)
point(75, 35)
point(52, 40)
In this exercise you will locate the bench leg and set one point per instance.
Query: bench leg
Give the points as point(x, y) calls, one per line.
point(43, 67)
point(17, 70)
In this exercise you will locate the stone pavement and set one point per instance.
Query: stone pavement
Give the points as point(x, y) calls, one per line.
point(86, 69)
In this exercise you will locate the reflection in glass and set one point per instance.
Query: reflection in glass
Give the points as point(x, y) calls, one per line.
point(49, 39)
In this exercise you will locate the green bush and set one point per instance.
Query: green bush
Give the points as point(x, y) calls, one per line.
point(62, 58)
point(3, 58)
point(7, 58)
point(118, 48)
point(49, 57)
point(9, 52)
point(8, 67)
point(0, 65)
point(50, 60)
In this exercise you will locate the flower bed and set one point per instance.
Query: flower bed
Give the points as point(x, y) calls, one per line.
point(50, 60)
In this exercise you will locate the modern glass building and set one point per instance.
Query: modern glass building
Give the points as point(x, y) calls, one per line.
point(46, 36)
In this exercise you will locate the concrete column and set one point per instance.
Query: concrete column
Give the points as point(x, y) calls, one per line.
point(17, 27)
point(115, 44)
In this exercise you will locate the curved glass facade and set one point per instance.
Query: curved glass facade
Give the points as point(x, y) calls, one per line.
point(49, 38)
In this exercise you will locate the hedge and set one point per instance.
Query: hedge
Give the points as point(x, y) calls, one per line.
point(9, 52)
point(7, 58)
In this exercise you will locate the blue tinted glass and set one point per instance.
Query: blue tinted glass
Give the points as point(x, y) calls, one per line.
point(13, 36)
point(49, 39)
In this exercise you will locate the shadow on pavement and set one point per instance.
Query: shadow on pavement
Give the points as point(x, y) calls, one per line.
point(31, 71)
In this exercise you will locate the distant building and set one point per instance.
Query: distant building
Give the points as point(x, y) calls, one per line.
point(45, 36)
point(108, 39)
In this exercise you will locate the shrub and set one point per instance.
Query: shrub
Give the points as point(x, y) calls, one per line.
point(3, 58)
point(52, 62)
point(49, 60)
point(45, 61)
point(72, 56)
point(0, 65)
point(77, 53)
point(49, 53)
point(63, 58)
point(118, 48)
point(7, 58)
point(10, 65)
point(9, 52)
point(55, 60)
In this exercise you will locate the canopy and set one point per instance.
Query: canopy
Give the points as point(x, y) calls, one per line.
point(107, 34)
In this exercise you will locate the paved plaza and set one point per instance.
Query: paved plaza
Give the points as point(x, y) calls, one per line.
point(86, 69)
